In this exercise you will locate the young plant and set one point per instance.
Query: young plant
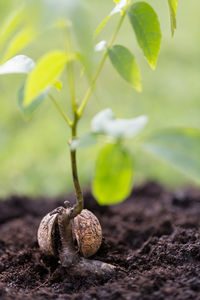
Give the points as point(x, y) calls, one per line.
point(114, 167)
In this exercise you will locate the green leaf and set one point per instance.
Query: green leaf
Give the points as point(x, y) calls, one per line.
point(106, 123)
point(178, 147)
point(113, 175)
point(12, 22)
point(125, 64)
point(172, 10)
point(45, 73)
point(27, 111)
point(19, 64)
point(147, 29)
point(19, 41)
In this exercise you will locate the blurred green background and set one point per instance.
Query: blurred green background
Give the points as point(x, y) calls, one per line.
point(34, 156)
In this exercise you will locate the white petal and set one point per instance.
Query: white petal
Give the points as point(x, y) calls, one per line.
point(126, 127)
point(105, 123)
point(99, 121)
point(17, 65)
point(119, 7)
point(101, 46)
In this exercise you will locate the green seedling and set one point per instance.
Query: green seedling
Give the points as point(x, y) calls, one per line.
point(114, 172)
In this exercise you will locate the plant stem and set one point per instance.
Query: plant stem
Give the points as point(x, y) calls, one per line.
point(63, 114)
point(91, 88)
point(79, 195)
point(77, 114)
point(77, 208)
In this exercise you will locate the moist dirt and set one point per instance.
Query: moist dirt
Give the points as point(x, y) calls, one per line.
point(154, 236)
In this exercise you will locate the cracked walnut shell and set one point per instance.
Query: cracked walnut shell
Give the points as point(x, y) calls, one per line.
point(86, 229)
point(88, 233)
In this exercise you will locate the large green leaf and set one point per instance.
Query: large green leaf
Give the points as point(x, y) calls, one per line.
point(46, 71)
point(113, 175)
point(179, 147)
point(125, 64)
point(172, 10)
point(146, 25)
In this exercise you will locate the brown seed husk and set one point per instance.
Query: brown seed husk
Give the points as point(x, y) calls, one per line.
point(88, 233)
point(46, 234)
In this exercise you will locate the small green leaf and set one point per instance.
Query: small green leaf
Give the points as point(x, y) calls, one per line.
point(113, 175)
point(27, 111)
point(19, 41)
point(178, 147)
point(125, 64)
point(19, 64)
point(172, 10)
point(147, 29)
point(46, 71)
point(106, 123)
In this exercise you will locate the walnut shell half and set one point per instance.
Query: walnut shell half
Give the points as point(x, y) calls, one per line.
point(88, 233)
point(46, 234)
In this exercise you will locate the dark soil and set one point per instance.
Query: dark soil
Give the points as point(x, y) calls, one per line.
point(154, 236)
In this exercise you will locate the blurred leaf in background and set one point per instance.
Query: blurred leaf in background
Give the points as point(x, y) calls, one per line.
point(77, 14)
point(179, 147)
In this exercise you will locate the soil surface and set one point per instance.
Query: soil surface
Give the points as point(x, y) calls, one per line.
point(154, 235)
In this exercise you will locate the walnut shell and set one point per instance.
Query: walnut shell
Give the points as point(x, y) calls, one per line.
point(46, 234)
point(86, 230)
point(88, 233)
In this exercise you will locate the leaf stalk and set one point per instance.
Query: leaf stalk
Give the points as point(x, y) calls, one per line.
point(60, 110)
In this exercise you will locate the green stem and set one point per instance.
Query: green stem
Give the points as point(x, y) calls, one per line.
point(63, 114)
point(91, 88)
point(77, 208)
point(79, 195)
